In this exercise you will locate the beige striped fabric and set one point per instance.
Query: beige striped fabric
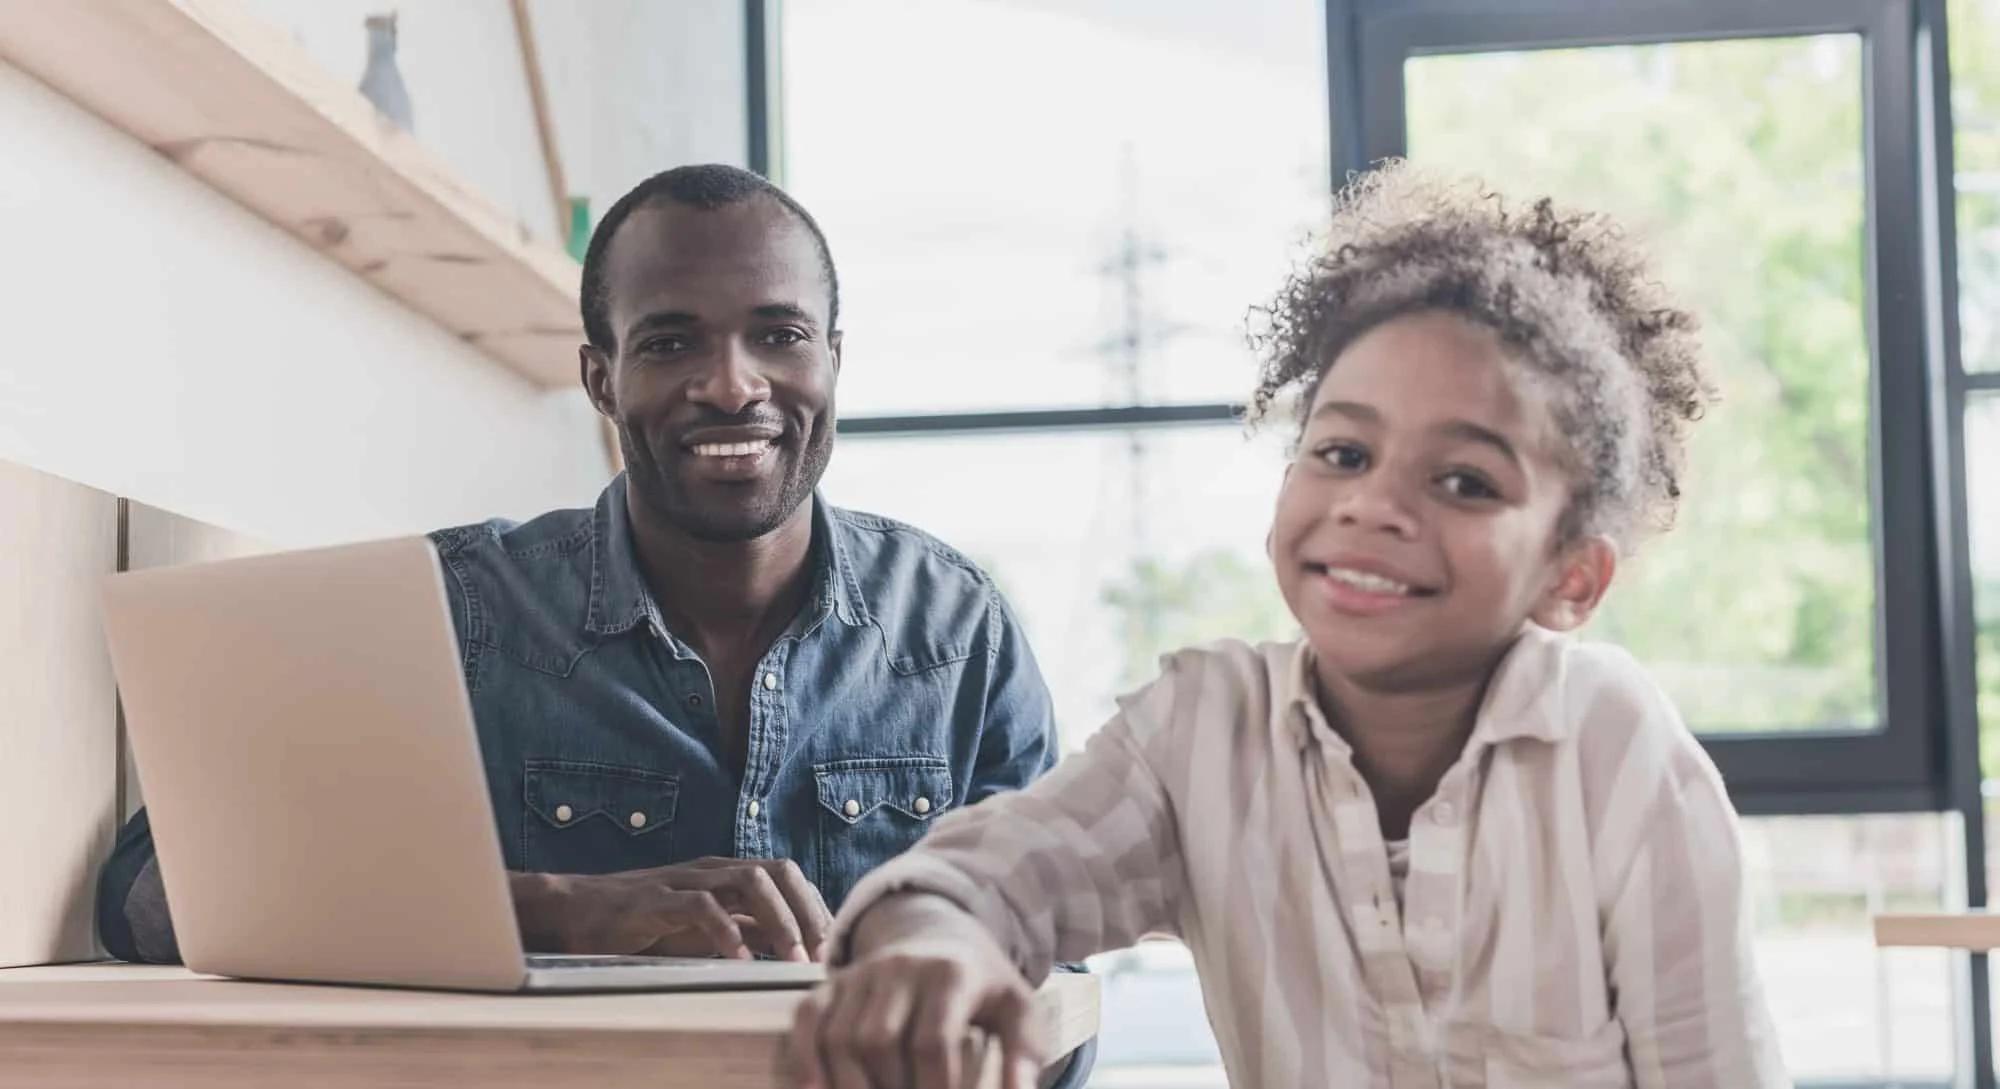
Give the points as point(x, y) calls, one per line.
point(1573, 916)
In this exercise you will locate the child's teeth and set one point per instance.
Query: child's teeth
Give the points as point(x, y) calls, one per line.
point(1362, 580)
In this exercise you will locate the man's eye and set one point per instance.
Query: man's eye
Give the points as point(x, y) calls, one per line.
point(1465, 485)
point(663, 345)
point(1345, 457)
point(784, 336)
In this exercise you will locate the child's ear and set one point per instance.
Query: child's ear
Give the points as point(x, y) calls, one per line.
point(1584, 573)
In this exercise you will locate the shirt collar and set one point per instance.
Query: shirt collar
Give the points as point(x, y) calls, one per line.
point(620, 600)
point(1524, 699)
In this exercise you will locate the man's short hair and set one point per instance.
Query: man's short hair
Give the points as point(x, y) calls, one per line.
point(707, 186)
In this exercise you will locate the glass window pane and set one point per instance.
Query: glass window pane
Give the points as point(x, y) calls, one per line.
point(1982, 497)
point(1975, 102)
point(1847, 1012)
point(1982, 493)
point(1114, 548)
point(1053, 202)
point(1742, 160)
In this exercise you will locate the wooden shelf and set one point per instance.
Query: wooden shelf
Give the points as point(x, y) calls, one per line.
point(233, 102)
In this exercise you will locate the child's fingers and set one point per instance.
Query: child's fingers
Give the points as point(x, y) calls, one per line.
point(877, 1030)
point(839, 1031)
point(940, 1026)
point(802, 1046)
point(1008, 1015)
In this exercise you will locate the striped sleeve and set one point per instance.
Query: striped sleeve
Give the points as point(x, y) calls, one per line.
point(1081, 861)
point(1678, 934)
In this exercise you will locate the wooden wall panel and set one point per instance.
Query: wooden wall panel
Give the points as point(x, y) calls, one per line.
point(158, 538)
point(58, 714)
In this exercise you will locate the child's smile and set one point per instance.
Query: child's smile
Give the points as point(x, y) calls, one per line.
point(1361, 586)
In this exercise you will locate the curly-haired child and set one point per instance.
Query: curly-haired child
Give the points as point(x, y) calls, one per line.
point(1437, 842)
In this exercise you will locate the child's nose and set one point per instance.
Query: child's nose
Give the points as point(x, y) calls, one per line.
point(1374, 504)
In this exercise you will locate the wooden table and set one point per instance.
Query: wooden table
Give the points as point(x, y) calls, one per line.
point(1974, 931)
point(130, 1026)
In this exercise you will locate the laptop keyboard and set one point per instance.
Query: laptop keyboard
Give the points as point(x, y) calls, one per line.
point(558, 961)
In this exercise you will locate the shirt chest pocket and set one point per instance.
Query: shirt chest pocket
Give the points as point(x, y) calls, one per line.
point(596, 818)
point(872, 810)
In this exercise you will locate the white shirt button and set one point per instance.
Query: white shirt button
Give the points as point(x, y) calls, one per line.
point(638, 820)
point(564, 813)
point(770, 681)
point(923, 806)
point(1444, 812)
point(753, 808)
point(852, 808)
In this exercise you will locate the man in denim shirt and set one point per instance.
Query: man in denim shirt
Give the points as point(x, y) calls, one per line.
point(713, 702)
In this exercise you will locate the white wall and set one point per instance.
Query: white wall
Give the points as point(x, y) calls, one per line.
point(634, 87)
point(638, 86)
point(159, 342)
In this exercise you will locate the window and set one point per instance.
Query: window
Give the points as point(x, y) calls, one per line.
point(1113, 547)
point(1043, 203)
point(1975, 89)
point(1815, 883)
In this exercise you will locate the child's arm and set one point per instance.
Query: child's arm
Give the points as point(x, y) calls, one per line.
point(957, 931)
point(1677, 935)
point(1078, 862)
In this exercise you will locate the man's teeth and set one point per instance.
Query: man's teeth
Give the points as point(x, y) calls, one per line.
point(731, 449)
point(1363, 580)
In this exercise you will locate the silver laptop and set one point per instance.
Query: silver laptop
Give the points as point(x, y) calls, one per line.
point(315, 785)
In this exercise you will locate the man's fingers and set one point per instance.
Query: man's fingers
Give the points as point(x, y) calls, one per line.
point(700, 911)
point(808, 907)
point(750, 891)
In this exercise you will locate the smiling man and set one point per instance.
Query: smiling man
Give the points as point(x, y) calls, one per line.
point(711, 703)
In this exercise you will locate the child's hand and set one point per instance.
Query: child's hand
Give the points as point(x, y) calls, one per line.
point(903, 1010)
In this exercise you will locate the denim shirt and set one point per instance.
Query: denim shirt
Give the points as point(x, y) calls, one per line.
point(903, 690)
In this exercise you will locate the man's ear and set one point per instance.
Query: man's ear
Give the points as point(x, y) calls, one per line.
point(833, 342)
point(1585, 573)
point(594, 369)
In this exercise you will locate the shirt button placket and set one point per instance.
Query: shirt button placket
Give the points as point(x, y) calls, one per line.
point(767, 723)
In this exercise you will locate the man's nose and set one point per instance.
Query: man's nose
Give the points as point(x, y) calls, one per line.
point(731, 381)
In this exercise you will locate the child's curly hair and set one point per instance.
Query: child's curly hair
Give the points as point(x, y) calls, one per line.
point(1573, 300)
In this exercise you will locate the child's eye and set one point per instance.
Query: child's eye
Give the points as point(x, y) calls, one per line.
point(1466, 485)
point(1343, 456)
